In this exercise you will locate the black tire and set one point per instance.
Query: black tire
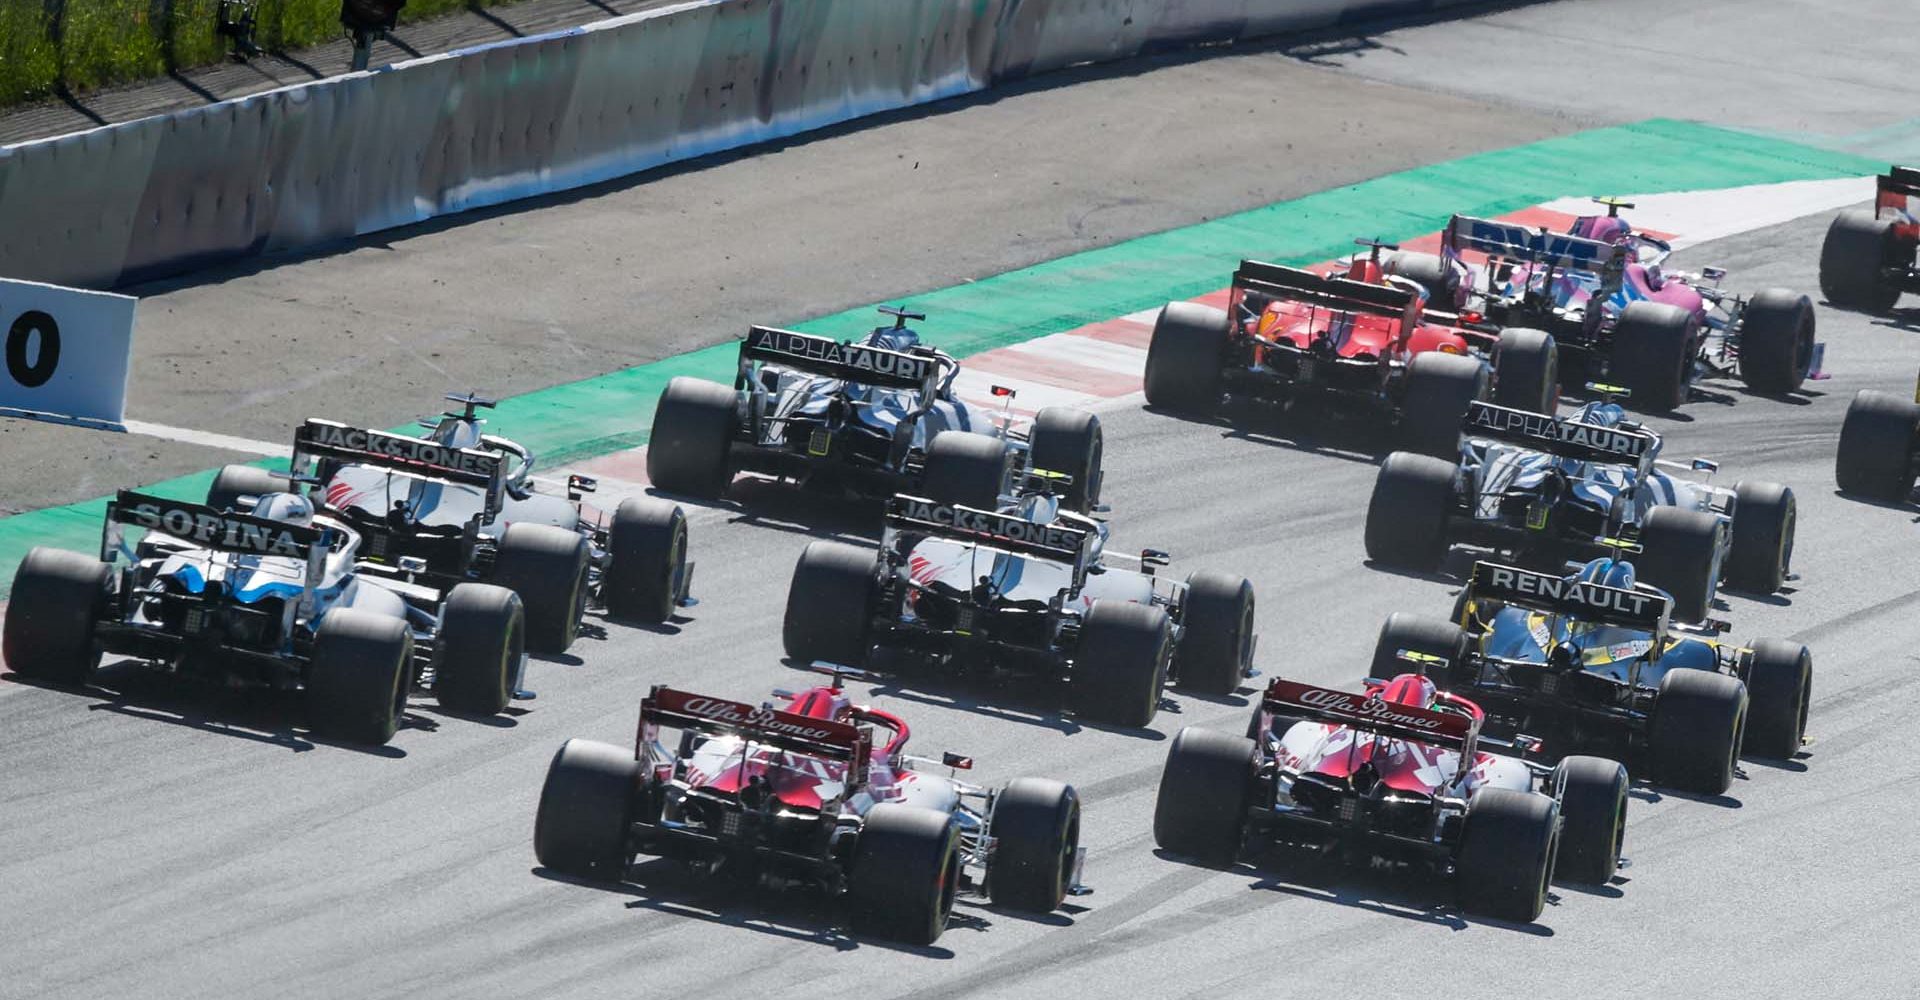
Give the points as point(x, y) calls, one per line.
point(830, 604)
point(965, 468)
point(1653, 346)
point(688, 450)
point(906, 872)
point(1857, 247)
point(1430, 273)
point(58, 596)
point(1877, 446)
point(1419, 634)
point(1121, 666)
point(1186, 356)
point(358, 676)
point(1526, 371)
point(547, 566)
point(1205, 791)
point(236, 481)
point(1776, 341)
point(1434, 406)
point(1678, 548)
point(1761, 555)
point(1593, 814)
point(1507, 852)
point(580, 828)
point(1036, 833)
point(1779, 691)
point(646, 560)
point(1407, 515)
point(482, 638)
point(1069, 441)
point(1694, 738)
point(1216, 647)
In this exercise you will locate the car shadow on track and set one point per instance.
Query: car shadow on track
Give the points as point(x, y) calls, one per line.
point(1651, 794)
point(1906, 506)
point(1311, 430)
point(1029, 701)
point(782, 506)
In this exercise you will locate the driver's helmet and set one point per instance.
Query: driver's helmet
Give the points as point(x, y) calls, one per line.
point(287, 508)
point(1601, 413)
point(1608, 572)
point(1363, 268)
point(457, 433)
point(1415, 690)
point(1606, 229)
point(887, 338)
point(822, 703)
point(1037, 507)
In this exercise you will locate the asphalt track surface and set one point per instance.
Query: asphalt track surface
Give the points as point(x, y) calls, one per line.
point(192, 846)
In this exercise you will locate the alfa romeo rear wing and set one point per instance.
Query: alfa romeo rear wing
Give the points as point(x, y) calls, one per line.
point(1546, 593)
point(1539, 247)
point(218, 531)
point(827, 738)
point(1369, 713)
point(1010, 532)
point(328, 439)
point(1562, 437)
point(1897, 195)
point(829, 358)
point(1292, 284)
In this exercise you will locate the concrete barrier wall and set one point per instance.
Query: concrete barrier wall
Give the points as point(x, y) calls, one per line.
point(355, 154)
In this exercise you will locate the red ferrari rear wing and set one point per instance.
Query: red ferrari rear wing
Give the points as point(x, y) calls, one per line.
point(1370, 714)
point(1898, 195)
point(1291, 284)
point(665, 706)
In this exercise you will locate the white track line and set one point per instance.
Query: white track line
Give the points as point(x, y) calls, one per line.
point(209, 439)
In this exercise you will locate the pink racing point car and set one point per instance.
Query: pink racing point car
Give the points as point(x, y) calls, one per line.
point(1870, 257)
point(1397, 775)
point(817, 793)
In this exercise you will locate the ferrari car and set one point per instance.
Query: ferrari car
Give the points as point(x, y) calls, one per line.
point(1590, 662)
point(463, 503)
point(873, 417)
point(1879, 446)
point(1400, 775)
point(1554, 490)
point(276, 598)
point(1869, 257)
point(816, 793)
point(1026, 589)
point(1362, 340)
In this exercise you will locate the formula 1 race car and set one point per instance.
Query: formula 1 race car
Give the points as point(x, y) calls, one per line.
point(1879, 451)
point(275, 598)
point(876, 417)
point(1025, 590)
point(1590, 663)
point(1557, 489)
point(1870, 257)
point(1361, 340)
point(1384, 777)
point(804, 795)
point(1655, 332)
point(460, 505)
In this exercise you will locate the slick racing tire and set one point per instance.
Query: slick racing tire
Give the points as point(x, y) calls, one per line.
point(1421, 634)
point(1526, 371)
point(1121, 666)
point(547, 566)
point(57, 598)
point(1507, 852)
point(1407, 515)
point(646, 560)
point(1779, 691)
point(580, 827)
point(1068, 441)
point(1438, 389)
point(236, 481)
point(1205, 791)
point(1678, 548)
point(358, 676)
point(1776, 341)
point(1216, 646)
point(1036, 835)
point(1593, 817)
point(1693, 741)
point(1653, 346)
point(1186, 356)
point(1857, 247)
point(906, 873)
point(829, 604)
point(482, 640)
point(965, 468)
point(1761, 555)
point(693, 426)
point(1430, 272)
point(1877, 441)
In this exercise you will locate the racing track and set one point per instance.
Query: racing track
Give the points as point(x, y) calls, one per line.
point(203, 846)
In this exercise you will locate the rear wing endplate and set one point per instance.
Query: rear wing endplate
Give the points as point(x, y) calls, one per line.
point(1011, 532)
point(1898, 194)
point(1292, 284)
point(1558, 595)
point(1535, 246)
point(829, 738)
point(1369, 713)
point(1559, 436)
point(831, 358)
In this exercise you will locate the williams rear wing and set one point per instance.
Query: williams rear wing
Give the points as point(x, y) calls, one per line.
point(834, 359)
point(827, 738)
point(1639, 609)
point(327, 439)
point(218, 531)
point(1370, 714)
point(1559, 436)
point(1291, 284)
point(1010, 532)
point(1540, 247)
point(1897, 195)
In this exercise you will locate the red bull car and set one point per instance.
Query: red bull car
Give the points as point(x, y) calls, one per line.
point(1869, 257)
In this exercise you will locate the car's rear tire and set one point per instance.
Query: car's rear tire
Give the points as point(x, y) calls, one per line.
point(236, 481)
point(1507, 852)
point(1216, 646)
point(830, 604)
point(547, 566)
point(1693, 742)
point(580, 827)
point(1779, 692)
point(1430, 272)
point(1678, 548)
point(1776, 341)
point(966, 469)
point(646, 560)
point(688, 449)
point(358, 676)
point(906, 873)
point(1877, 444)
point(1439, 388)
point(1593, 813)
point(1036, 832)
point(1526, 371)
point(1857, 246)
point(482, 638)
point(1121, 666)
point(1761, 554)
point(1419, 634)
point(1186, 356)
point(1653, 346)
point(1407, 515)
point(1205, 791)
point(58, 596)
point(1068, 441)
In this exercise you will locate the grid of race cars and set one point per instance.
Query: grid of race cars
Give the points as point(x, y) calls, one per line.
point(1494, 745)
